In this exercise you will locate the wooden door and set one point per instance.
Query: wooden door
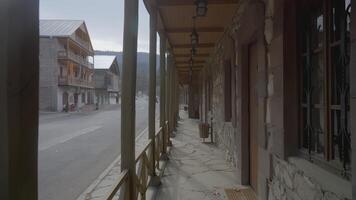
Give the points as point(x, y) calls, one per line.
point(253, 110)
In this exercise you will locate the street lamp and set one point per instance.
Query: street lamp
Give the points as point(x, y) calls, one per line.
point(202, 7)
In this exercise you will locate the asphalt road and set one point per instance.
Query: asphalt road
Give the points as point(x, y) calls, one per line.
point(75, 148)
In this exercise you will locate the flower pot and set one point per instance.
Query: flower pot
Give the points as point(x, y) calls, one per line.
point(204, 130)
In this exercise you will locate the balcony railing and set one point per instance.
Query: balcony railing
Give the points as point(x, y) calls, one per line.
point(143, 165)
point(74, 57)
point(72, 81)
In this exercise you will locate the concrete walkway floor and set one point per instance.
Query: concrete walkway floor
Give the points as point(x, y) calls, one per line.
point(195, 170)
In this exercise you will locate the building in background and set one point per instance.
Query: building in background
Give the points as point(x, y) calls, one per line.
point(107, 80)
point(66, 66)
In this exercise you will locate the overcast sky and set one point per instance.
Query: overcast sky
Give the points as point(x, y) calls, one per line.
point(104, 19)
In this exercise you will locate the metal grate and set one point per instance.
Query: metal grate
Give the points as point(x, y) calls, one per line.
point(240, 194)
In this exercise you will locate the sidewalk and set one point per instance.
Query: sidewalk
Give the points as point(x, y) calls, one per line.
point(196, 170)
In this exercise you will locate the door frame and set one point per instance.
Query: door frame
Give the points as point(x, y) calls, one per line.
point(249, 113)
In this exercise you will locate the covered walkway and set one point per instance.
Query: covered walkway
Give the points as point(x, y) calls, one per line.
point(196, 170)
point(275, 79)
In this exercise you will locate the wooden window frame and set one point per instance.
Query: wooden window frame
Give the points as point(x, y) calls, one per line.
point(328, 160)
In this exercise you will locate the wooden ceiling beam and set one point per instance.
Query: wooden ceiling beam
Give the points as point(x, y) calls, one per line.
point(188, 55)
point(185, 46)
point(188, 62)
point(191, 2)
point(199, 30)
point(187, 68)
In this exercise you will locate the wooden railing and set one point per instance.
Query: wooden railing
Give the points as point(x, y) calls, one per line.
point(64, 54)
point(144, 166)
point(69, 80)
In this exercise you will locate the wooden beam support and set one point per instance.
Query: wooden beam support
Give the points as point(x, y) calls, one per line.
point(191, 2)
point(198, 29)
point(152, 93)
point(188, 46)
point(170, 66)
point(129, 63)
point(162, 118)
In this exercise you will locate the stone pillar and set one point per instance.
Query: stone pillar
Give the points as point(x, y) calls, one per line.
point(163, 93)
point(19, 77)
point(129, 65)
point(152, 94)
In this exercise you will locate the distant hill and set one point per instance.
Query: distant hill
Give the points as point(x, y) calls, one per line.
point(142, 68)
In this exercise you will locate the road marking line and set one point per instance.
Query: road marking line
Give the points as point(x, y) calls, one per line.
point(66, 138)
point(100, 178)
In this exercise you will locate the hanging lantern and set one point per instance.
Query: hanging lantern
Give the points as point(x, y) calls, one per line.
point(191, 61)
point(202, 7)
point(193, 52)
point(194, 38)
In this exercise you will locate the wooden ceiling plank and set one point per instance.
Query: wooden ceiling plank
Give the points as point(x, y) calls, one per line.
point(188, 62)
point(199, 30)
point(191, 2)
point(188, 67)
point(188, 55)
point(202, 45)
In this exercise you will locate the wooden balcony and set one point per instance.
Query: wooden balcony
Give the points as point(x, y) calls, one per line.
point(75, 58)
point(82, 43)
point(71, 81)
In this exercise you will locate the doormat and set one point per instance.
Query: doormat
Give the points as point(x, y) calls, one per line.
point(240, 194)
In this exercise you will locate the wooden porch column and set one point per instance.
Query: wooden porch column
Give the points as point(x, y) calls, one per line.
point(163, 93)
point(177, 98)
point(152, 94)
point(169, 96)
point(174, 95)
point(129, 64)
point(19, 77)
point(174, 103)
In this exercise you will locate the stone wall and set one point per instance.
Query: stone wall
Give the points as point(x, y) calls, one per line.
point(274, 31)
point(49, 70)
point(292, 183)
point(224, 133)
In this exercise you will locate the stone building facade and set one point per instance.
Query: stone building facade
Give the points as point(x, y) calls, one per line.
point(66, 65)
point(251, 87)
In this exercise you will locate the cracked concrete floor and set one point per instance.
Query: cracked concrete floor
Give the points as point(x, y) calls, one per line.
point(195, 170)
